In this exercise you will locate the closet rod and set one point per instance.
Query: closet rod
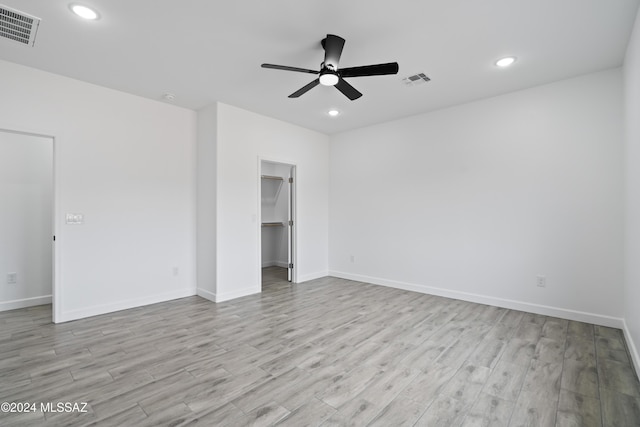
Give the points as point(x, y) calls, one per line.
point(279, 178)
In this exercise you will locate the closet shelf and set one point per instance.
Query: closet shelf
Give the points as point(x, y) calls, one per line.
point(271, 186)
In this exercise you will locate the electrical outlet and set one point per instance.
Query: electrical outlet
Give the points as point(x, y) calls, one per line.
point(175, 271)
point(352, 258)
point(541, 281)
point(12, 278)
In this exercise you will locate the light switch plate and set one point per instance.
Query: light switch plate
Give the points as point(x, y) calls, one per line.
point(74, 219)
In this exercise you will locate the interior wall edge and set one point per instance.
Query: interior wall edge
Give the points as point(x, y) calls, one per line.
point(563, 313)
point(25, 302)
point(96, 310)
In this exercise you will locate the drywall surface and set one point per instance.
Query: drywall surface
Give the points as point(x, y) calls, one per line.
point(26, 220)
point(244, 139)
point(478, 200)
point(206, 201)
point(128, 165)
point(632, 194)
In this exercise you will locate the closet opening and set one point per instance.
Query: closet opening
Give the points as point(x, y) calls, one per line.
point(27, 223)
point(277, 222)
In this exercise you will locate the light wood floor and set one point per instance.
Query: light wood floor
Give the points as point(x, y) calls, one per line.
point(327, 352)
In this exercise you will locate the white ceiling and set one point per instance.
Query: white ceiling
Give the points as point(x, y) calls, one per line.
point(205, 51)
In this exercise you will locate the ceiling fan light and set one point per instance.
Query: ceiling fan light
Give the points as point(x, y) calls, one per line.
point(329, 79)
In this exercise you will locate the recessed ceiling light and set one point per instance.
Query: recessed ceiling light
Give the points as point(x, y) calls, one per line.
point(506, 61)
point(84, 11)
point(333, 113)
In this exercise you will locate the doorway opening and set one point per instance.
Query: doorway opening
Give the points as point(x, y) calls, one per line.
point(27, 225)
point(277, 222)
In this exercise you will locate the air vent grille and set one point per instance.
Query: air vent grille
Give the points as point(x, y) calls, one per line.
point(18, 26)
point(416, 79)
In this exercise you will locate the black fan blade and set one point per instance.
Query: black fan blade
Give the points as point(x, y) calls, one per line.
point(348, 90)
point(305, 89)
point(332, 50)
point(287, 68)
point(370, 70)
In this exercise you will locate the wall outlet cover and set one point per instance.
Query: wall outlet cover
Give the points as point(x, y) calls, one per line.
point(541, 281)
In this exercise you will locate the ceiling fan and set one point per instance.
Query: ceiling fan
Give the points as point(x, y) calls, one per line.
point(329, 73)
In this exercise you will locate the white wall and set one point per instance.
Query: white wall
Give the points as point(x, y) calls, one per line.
point(244, 138)
point(26, 218)
point(632, 181)
point(477, 200)
point(207, 147)
point(127, 164)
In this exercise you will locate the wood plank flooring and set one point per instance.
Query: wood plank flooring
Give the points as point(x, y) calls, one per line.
point(329, 352)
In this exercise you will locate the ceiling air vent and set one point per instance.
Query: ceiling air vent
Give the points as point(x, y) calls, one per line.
point(415, 79)
point(18, 26)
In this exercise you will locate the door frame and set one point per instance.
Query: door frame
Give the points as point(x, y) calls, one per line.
point(293, 240)
point(56, 291)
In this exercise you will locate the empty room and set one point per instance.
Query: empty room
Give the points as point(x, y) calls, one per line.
point(196, 228)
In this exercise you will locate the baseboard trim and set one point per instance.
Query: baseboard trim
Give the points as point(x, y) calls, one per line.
point(236, 294)
point(211, 296)
point(66, 316)
point(633, 350)
point(580, 316)
point(312, 276)
point(274, 264)
point(24, 303)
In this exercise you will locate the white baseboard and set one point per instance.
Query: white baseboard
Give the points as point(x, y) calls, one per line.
point(206, 294)
point(66, 316)
point(312, 276)
point(24, 303)
point(580, 316)
point(282, 264)
point(236, 294)
point(633, 350)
